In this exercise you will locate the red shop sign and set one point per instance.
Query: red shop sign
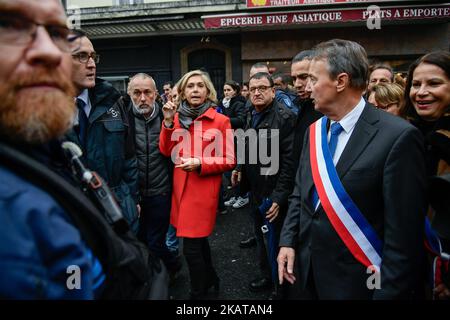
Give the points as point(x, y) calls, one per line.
point(324, 16)
point(293, 3)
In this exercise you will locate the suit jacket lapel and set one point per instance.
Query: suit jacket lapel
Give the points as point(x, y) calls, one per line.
point(307, 178)
point(362, 134)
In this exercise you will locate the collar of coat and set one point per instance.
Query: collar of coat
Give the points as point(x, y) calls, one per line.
point(103, 93)
point(211, 114)
point(264, 114)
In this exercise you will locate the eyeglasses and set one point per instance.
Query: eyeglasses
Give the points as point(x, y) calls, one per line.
point(20, 31)
point(84, 57)
point(385, 107)
point(261, 89)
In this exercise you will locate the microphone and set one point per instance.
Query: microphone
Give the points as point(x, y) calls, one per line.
point(97, 186)
point(74, 153)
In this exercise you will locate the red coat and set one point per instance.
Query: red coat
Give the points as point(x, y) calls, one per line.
point(195, 195)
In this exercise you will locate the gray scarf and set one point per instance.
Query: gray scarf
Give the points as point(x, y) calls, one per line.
point(187, 115)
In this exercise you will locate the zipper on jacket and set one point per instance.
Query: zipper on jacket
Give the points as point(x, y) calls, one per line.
point(146, 155)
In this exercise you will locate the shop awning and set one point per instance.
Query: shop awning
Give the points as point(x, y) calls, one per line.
point(185, 26)
point(324, 16)
point(297, 3)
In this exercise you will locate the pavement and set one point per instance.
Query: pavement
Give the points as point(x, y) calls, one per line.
point(235, 266)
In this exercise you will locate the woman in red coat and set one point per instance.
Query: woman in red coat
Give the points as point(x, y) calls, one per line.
point(200, 142)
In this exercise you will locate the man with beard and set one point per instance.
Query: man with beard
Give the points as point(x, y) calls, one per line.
point(154, 169)
point(102, 131)
point(38, 241)
point(307, 114)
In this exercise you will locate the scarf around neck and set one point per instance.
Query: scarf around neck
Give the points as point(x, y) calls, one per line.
point(226, 102)
point(187, 115)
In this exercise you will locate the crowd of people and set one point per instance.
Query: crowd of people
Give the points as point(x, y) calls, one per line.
point(345, 169)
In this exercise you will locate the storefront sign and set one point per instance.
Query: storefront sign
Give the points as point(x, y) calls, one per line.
point(325, 16)
point(293, 3)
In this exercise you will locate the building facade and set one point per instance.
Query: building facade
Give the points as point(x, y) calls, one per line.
point(167, 38)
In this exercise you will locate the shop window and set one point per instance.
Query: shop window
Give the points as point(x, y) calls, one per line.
point(118, 82)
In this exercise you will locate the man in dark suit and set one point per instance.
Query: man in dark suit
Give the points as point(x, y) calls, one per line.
point(379, 162)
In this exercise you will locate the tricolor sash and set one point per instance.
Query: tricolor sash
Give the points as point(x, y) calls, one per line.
point(441, 259)
point(350, 224)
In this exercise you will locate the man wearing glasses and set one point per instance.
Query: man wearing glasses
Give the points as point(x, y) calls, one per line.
point(38, 241)
point(269, 189)
point(102, 130)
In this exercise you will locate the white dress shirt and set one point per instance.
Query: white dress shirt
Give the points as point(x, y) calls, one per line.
point(348, 124)
point(84, 96)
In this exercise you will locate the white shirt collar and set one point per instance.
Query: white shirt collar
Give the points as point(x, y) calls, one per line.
point(349, 121)
point(84, 96)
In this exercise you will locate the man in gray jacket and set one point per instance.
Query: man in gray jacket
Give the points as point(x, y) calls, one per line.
point(155, 177)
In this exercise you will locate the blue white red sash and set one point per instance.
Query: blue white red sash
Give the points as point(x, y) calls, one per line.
point(441, 259)
point(351, 226)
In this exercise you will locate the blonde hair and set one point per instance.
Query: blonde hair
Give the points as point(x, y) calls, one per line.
point(388, 93)
point(212, 94)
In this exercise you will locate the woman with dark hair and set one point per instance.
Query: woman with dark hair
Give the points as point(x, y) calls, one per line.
point(233, 104)
point(198, 171)
point(427, 106)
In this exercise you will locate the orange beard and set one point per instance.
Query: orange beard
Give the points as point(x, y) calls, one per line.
point(36, 117)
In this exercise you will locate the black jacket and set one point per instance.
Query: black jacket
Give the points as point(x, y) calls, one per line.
point(307, 115)
point(236, 111)
point(437, 142)
point(154, 169)
point(108, 151)
point(279, 183)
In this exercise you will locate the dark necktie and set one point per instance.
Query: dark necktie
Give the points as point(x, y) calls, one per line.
point(82, 121)
point(335, 130)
